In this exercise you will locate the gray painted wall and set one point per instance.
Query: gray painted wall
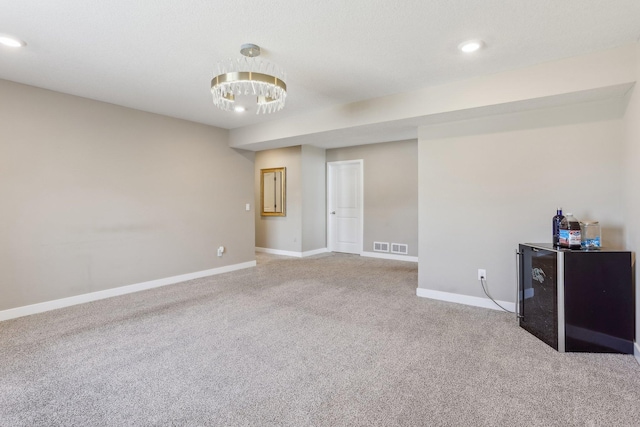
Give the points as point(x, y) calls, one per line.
point(96, 196)
point(390, 191)
point(314, 210)
point(303, 228)
point(484, 192)
point(632, 187)
point(280, 232)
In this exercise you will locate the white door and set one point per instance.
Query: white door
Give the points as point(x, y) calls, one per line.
point(344, 200)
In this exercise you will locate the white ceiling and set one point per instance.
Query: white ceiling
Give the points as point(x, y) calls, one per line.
point(160, 55)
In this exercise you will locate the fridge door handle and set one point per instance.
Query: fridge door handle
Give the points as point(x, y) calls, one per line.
point(519, 286)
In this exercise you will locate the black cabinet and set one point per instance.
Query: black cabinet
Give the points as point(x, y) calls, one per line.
point(577, 300)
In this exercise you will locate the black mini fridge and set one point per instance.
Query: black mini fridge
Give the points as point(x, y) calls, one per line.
point(574, 300)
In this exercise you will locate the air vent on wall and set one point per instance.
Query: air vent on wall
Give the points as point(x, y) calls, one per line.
point(399, 248)
point(380, 247)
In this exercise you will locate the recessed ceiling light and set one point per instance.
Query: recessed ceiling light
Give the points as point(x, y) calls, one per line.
point(471, 46)
point(239, 109)
point(11, 41)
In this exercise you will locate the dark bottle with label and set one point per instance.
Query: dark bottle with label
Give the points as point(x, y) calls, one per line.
point(570, 235)
point(556, 227)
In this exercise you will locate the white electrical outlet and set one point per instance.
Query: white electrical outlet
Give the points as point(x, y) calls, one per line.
point(220, 250)
point(482, 274)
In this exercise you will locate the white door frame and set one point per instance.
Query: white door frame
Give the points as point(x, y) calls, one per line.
point(330, 208)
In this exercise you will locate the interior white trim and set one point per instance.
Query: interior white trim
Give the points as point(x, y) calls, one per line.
point(279, 252)
point(292, 253)
point(27, 310)
point(464, 299)
point(315, 252)
point(390, 256)
point(636, 351)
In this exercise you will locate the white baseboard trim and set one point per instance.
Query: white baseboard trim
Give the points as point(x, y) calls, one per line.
point(464, 299)
point(292, 253)
point(315, 252)
point(390, 256)
point(636, 351)
point(325, 250)
point(279, 252)
point(27, 310)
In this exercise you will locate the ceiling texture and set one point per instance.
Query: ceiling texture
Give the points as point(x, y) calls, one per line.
point(160, 55)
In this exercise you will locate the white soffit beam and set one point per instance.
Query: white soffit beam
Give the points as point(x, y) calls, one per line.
point(588, 77)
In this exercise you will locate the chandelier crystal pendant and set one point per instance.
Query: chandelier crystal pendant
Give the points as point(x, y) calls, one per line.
point(249, 76)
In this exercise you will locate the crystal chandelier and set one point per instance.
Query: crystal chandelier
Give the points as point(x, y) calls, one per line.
point(249, 76)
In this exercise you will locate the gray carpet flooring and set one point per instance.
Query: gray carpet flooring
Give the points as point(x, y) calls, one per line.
point(330, 340)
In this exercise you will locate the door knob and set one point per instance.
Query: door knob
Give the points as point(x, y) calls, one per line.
point(332, 212)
